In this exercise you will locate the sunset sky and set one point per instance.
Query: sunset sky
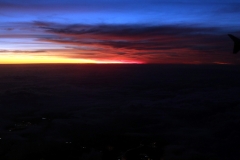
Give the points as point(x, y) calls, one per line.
point(119, 31)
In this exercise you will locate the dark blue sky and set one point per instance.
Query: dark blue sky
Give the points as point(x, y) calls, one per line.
point(150, 31)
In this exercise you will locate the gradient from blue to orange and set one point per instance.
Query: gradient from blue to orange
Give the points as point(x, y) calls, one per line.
point(119, 31)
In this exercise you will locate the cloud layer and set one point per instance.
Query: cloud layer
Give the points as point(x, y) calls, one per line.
point(194, 108)
point(162, 43)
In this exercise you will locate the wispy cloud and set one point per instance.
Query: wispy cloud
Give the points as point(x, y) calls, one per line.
point(149, 43)
point(141, 41)
point(23, 51)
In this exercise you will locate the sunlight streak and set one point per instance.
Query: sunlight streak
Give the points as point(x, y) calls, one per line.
point(30, 59)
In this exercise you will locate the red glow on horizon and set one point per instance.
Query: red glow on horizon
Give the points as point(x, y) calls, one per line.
point(118, 62)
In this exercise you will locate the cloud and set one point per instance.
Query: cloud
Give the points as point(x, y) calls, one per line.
point(140, 40)
point(22, 51)
point(149, 43)
point(138, 31)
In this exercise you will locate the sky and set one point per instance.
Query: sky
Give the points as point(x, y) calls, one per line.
point(119, 31)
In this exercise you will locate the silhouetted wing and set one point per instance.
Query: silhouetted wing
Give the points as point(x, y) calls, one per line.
point(236, 41)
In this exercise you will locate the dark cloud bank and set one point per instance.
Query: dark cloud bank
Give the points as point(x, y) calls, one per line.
point(73, 111)
point(138, 37)
point(146, 42)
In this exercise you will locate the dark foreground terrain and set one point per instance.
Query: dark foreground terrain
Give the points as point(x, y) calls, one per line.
point(80, 111)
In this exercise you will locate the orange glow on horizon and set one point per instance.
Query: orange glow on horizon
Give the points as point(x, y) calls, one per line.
point(30, 59)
